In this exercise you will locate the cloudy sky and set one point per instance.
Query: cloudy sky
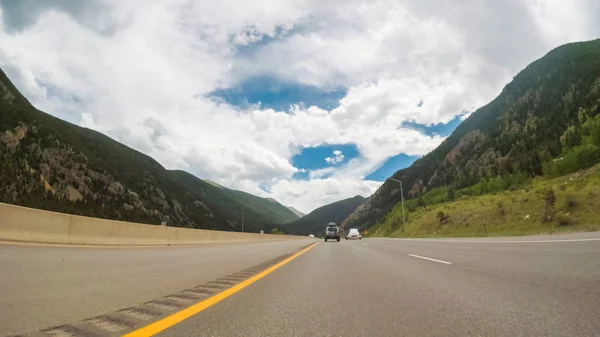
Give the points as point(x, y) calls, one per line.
point(304, 101)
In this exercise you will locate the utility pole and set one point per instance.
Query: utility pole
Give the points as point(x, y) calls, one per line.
point(367, 207)
point(402, 198)
point(242, 219)
point(365, 225)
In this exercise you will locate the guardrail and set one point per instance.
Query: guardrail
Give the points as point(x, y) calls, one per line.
point(33, 225)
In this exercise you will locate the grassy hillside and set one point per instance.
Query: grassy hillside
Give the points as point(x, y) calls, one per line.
point(50, 164)
point(316, 221)
point(526, 210)
point(547, 112)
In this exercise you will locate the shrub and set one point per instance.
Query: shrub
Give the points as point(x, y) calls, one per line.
point(577, 158)
point(450, 194)
point(570, 202)
point(549, 197)
point(549, 201)
point(443, 217)
point(564, 220)
point(276, 231)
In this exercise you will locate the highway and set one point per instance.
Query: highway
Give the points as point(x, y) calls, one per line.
point(45, 286)
point(526, 286)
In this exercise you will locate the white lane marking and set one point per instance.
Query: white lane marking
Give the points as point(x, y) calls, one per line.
point(493, 241)
point(430, 259)
point(364, 244)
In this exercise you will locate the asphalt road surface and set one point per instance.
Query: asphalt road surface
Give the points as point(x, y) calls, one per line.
point(388, 287)
point(534, 286)
point(44, 286)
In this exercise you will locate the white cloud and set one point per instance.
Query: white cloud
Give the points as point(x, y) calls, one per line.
point(337, 158)
point(140, 71)
point(321, 173)
point(315, 193)
point(251, 35)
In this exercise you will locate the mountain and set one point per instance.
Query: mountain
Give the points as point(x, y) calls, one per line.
point(549, 110)
point(212, 183)
point(295, 211)
point(257, 210)
point(316, 221)
point(51, 164)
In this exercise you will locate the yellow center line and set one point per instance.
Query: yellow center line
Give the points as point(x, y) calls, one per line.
point(169, 321)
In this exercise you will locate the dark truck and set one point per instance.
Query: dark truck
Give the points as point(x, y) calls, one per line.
point(332, 232)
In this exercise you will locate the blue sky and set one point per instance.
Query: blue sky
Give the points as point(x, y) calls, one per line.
point(205, 87)
point(442, 129)
point(324, 156)
point(274, 93)
point(390, 166)
point(313, 158)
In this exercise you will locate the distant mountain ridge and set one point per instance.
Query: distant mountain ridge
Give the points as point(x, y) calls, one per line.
point(267, 211)
point(549, 109)
point(316, 221)
point(51, 164)
point(295, 211)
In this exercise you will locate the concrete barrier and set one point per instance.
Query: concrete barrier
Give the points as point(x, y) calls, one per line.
point(33, 225)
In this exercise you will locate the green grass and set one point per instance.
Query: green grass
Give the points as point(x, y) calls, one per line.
point(508, 213)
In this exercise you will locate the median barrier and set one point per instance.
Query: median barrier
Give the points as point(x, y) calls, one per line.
point(33, 225)
point(24, 224)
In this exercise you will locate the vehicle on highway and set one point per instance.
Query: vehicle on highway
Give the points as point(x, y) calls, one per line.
point(332, 232)
point(311, 235)
point(353, 234)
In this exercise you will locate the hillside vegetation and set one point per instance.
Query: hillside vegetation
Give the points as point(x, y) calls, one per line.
point(542, 206)
point(544, 123)
point(316, 221)
point(50, 164)
point(265, 211)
